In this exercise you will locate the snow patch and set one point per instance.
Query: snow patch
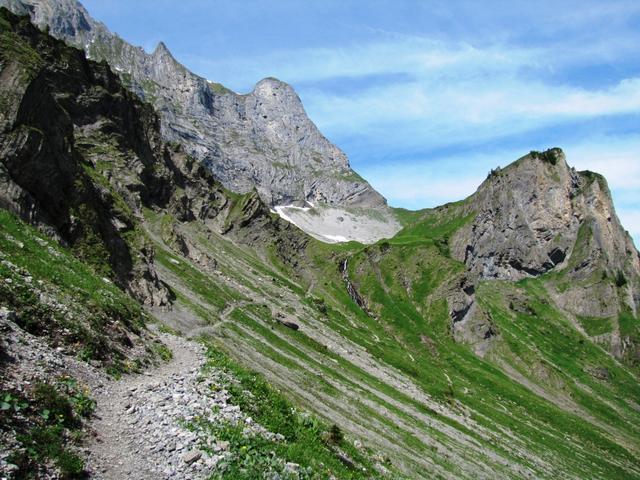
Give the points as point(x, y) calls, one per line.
point(281, 207)
point(284, 216)
point(337, 225)
point(335, 238)
point(280, 211)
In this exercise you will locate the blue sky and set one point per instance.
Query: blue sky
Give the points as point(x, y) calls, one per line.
point(425, 97)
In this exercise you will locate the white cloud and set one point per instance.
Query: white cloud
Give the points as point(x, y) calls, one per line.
point(424, 190)
point(465, 109)
point(630, 219)
point(432, 182)
point(439, 92)
point(400, 54)
point(618, 159)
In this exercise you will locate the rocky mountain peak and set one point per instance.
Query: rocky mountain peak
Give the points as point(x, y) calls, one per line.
point(263, 140)
point(161, 51)
point(529, 215)
point(273, 94)
point(540, 218)
point(530, 172)
point(539, 215)
point(268, 84)
point(276, 111)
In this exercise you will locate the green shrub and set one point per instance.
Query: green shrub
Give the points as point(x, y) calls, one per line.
point(171, 331)
point(621, 280)
point(320, 305)
point(48, 421)
point(70, 464)
point(83, 404)
point(12, 403)
point(335, 436)
point(56, 408)
point(47, 442)
point(162, 351)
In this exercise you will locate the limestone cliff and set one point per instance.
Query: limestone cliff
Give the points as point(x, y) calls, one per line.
point(539, 216)
point(261, 140)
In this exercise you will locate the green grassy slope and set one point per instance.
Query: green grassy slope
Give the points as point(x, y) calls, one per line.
point(56, 295)
point(388, 371)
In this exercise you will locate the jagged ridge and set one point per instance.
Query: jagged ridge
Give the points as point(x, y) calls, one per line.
point(261, 140)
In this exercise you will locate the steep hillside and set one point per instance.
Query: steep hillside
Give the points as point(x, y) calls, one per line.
point(262, 140)
point(63, 120)
point(454, 375)
point(537, 217)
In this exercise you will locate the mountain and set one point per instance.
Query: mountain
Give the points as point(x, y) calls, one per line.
point(538, 216)
point(494, 337)
point(262, 140)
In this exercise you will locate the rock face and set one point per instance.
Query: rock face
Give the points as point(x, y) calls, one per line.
point(81, 156)
point(63, 121)
point(538, 216)
point(261, 140)
point(530, 216)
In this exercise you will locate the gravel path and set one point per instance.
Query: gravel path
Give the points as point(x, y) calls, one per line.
point(139, 428)
point(140, 420)
point(225, 317)
point(125, 444)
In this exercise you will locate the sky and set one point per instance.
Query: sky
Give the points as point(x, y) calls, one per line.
point(425, 97)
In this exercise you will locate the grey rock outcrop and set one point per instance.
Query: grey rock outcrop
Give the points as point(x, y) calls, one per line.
point(536, 216)
point(261, 140)
point(65, 123)
point(530, 216)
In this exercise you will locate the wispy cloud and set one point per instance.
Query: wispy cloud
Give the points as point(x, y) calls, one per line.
point(618, 158)
point(631, 220)
point(413, 55)
point(436, 180)
point(464, 108)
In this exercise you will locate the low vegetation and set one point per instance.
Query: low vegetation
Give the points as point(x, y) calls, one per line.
point(48, 419)
point(304, 447)
point(56, 295)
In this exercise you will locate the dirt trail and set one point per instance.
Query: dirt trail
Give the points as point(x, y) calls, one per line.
point(225, 317)
point(121, 448)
